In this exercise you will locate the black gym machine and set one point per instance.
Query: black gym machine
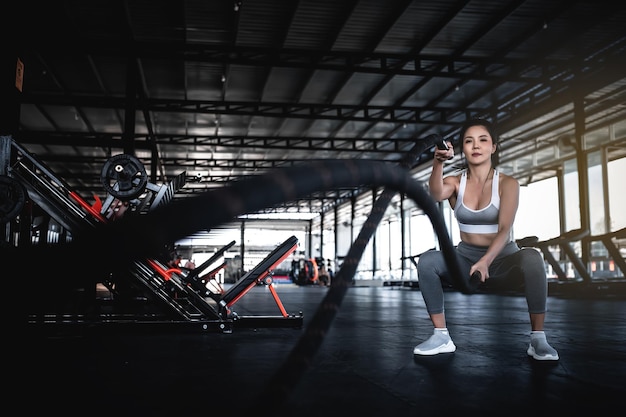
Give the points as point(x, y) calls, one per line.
point(148, 291)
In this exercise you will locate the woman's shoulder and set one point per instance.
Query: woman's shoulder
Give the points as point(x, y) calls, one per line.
point(507, 180)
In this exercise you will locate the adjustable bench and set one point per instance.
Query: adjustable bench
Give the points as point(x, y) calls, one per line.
point(199, 283)
point(260, 274)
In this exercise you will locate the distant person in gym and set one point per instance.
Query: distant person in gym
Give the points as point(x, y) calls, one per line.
point(485, 203)
point(324, 276)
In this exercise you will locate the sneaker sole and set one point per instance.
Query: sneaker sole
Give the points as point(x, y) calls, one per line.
point(531, 352)
point(447, 348)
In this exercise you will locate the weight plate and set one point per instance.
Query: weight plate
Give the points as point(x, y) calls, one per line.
point(124, 177)
point(12, 198)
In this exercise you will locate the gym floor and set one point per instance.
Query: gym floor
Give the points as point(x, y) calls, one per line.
point(364, 365)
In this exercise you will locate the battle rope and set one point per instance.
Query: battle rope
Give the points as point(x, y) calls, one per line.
point(145, 236)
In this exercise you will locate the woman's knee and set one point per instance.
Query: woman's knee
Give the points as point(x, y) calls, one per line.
point(531, 261)
point(429, 260)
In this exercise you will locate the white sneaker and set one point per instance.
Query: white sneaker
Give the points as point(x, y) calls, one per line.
point(540, 350)
point(439, 342)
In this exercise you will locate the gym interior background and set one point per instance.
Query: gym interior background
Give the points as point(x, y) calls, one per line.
point(140, 106)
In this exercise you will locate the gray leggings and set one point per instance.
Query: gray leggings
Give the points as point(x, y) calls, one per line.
point(432, 271)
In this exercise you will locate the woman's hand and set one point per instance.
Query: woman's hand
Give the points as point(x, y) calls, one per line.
point(482, 268)
point(443, 155)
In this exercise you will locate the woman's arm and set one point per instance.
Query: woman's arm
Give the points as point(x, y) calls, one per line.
point(441, 188)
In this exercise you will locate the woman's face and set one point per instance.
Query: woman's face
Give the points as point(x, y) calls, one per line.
point(478, 145)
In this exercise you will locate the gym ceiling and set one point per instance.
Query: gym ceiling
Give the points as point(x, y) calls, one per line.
point(220, 90)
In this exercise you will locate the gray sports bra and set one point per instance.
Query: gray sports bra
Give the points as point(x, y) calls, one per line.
point(480, 221)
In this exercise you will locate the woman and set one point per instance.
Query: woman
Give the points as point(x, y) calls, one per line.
point(485, 202)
